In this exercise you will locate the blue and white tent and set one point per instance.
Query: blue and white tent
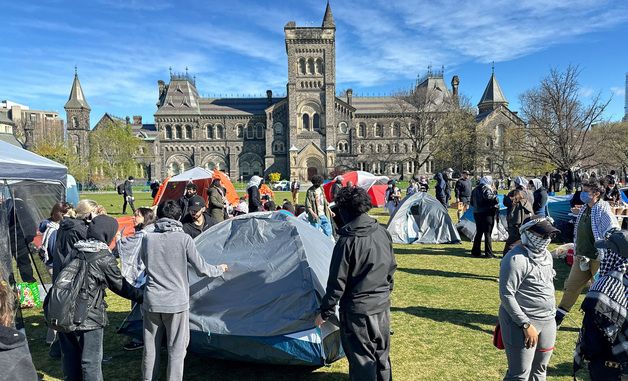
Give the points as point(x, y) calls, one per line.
point(263, 309)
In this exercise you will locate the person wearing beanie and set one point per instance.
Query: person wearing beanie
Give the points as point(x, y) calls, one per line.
point(83, 349)
point(526, 292)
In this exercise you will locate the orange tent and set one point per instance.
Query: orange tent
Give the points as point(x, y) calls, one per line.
point(173, 187)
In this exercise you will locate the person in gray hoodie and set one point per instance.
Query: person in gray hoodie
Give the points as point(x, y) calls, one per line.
point(166, 253)
point(528, 305)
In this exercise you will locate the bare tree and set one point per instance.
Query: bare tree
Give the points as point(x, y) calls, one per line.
point(611, 140)
point(558, 121)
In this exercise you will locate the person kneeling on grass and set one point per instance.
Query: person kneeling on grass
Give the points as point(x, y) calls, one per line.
point(361, 279)
point(83, 349)
point(166, 253)
point(528, 305)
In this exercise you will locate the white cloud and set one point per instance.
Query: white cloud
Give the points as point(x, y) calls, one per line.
point(618, 91)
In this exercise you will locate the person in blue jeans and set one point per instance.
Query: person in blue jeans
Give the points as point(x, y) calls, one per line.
point(318, 213)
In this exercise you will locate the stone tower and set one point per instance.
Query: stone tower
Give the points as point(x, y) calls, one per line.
point(77, 120)
point(493, 96)
point(311, 96)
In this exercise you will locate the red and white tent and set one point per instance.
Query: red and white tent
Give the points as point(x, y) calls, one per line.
point(375, 186)
point(174, 187)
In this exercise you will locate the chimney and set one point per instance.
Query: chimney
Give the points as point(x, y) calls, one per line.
point(137, 120)
point(269, 97)
point(349, 96)
point(455, 81)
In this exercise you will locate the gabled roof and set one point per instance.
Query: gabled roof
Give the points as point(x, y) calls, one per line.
point(235, 106)
point(328, 19)
point(492, 97)
point(181, 97)
point(77, 98)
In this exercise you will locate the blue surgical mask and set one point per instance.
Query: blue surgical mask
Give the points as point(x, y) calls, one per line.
point(585, 197)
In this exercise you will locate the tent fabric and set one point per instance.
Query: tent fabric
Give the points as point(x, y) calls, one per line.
point(375, 186)
point(174, 187)
point(421, 218)
point(71, 191)
point(466, 225)
point(263, 309)
point(19, 164)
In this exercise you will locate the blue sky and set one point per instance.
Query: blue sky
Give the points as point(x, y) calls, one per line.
point(235, 47)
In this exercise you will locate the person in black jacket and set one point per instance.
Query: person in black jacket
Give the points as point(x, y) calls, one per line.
point(190, 197)
point(83, 349)
point(128, 195)
point(16, 363)
point(252, 189)
point(485, 207)
point(463, 191)
point(360, 280)
point(540, 197)
point(199, 220)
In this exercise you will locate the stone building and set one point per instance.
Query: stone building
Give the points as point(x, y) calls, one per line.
point(309, 131)
point(30, 126)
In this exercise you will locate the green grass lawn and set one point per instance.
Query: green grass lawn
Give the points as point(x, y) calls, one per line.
point(444, 310)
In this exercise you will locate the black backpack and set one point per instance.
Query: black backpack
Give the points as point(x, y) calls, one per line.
point(66, 304)
point(120, 188)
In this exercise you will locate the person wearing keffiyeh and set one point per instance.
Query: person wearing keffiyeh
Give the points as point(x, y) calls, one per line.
point(603, 338)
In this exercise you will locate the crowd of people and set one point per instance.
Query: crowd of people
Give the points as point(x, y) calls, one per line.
point(155, 260)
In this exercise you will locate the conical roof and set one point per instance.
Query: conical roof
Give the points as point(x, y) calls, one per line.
point(492, 97)
point(77, 98)
point(328, 19)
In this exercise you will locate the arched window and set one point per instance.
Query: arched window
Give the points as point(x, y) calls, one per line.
point(240, 131)
point(306, 122)
point(178, 132)
point(210, 131)
point(188, 132)
point(342, 127)
point(278, 127)
point(219, 131)
point(302, 64)
point(168, 132)
point(250, 132)
point(395, 130)
point(319, 66)
point(378, 148)
point(278, 147)
point(74, 122)
point(259, 131)
point(310, 66)
point(413, 130)
point(316, 122)
point(378, 130)
point(361, 130)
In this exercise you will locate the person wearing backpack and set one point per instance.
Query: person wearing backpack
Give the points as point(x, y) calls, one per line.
point(82, 339)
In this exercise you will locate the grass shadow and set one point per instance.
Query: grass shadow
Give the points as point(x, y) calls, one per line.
point(467, 319)
point(451, 250)
point(448, 274)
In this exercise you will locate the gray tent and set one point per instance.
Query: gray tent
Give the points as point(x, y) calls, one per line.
point(264, 308)
point(29, 187)
point(421, 218)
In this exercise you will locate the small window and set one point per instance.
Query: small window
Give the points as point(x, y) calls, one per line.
point(250, 132)
point(188, 132)
point(178, 132)
point(210, 131)
point(306, 122)
point(259, 131)
point(219, 131)
point(240, 131)
point(342, 127)
point(361, 130)
point(378, 130)
point(278, 127)
point(168, 132)
point(316, 121)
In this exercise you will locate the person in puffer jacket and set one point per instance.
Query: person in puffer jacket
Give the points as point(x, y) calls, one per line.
point(83, 349)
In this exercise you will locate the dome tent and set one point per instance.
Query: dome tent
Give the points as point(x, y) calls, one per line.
point(420, 218)
point(263, 309)
point(375, 186)
point(173, 187)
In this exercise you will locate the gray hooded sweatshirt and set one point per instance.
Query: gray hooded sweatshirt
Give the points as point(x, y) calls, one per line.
point(166, 253)
point(526, 285)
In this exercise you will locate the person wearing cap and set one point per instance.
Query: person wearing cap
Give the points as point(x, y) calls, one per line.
point(594, 219)
point(485, 207)
point(216, 200)
point(463, 190)
point(198, 220)
point(82, 349)
point(189, 197)
point(168, 254)
point(336, 186)
point(526, 292)
point(603, 339)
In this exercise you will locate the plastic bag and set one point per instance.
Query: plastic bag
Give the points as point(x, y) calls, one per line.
point(28, 294)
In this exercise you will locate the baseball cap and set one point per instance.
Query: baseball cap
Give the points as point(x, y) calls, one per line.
point(617, 241)
point(539, 225)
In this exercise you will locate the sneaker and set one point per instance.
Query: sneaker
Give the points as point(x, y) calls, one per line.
point(133, 345)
